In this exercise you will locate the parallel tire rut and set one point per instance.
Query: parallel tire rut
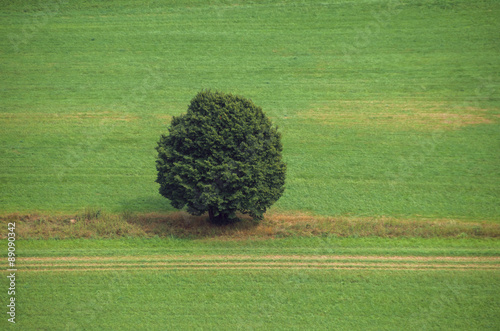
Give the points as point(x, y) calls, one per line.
point(204, 262)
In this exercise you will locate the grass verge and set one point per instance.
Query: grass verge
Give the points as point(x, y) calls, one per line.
point(94, 223)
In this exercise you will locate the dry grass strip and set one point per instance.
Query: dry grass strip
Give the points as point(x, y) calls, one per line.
point(275, 225)
point(203, 262)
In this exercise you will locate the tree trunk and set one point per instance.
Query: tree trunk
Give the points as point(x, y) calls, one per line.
point(220, 219)
point(211, 215)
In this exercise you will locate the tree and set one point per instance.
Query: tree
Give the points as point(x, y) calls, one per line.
point(222, 156)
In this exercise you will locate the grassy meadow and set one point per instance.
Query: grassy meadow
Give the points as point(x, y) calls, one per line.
point(387, 108)
point(390, 115)
point(283, 284)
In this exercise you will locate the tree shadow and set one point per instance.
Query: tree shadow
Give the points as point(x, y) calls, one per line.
point(147, 204)
point(180, 224)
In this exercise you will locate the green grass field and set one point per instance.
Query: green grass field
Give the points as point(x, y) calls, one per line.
point(298, 284)
point(390, 115)
point(386, 108)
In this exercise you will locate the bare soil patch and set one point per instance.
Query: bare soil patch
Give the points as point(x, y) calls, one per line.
point(57, 117)
point(411, 114)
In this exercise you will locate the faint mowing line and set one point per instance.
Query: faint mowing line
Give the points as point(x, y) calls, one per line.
point(365, 35)
point(486, 89)
point(428, 316)
point(32, 25)
point(420, 156)
point(151, 81)
point(95, 139)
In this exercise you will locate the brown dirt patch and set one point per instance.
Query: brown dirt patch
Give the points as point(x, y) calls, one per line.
point(164, 117)
point(55, 117)
point(411, 114)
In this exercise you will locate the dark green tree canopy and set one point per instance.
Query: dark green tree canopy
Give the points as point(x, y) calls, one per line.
point(222, 156)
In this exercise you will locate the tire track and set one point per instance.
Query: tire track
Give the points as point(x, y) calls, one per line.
point(216, 262)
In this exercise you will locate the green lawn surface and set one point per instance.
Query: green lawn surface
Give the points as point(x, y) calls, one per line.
point(247, 300)
point(386, 107)
point(272, 298)
point(300, 245)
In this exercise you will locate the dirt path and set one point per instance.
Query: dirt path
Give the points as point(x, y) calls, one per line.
point(203, 262)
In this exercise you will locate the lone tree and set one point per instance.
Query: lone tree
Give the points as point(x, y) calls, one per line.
point(222, 156)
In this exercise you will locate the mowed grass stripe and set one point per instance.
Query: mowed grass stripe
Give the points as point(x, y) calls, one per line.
point(273, 267)
point(264, 262)
point(152, 258)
